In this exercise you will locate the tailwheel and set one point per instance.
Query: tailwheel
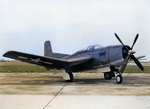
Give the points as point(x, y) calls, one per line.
point(71, 77)
point(107, 75)
point(119, 79)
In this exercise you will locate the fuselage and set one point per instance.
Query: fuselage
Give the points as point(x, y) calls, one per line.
point(103, 57)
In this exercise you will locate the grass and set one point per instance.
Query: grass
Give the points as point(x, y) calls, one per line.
point(135, 69)
point(17, 66)
point(22, 69)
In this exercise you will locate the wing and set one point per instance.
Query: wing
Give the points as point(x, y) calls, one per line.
point(47, 62)
point(38, 60)
point(80, 60)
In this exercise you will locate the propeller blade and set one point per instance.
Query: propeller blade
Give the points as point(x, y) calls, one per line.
point(122, 68)
point(135, 41)
point(137, 62)
point(119, 39)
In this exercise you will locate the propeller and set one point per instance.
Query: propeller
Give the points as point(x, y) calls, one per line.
point(130, 54)
point(135, 41)
point(119, 39)
point(137, 62)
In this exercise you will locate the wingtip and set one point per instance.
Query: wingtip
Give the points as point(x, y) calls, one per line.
point(6, 54)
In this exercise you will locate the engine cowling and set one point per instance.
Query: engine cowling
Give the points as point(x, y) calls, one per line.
point(116, 57)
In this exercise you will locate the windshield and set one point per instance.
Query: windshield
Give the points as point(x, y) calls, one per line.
point(91, 48)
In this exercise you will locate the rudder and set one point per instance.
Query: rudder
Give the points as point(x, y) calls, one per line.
point(49, 53)
point(48, 49)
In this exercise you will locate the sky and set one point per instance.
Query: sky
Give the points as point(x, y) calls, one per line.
point(71, 25)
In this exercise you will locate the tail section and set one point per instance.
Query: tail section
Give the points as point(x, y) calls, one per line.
point(49, 53)
point(48, 49)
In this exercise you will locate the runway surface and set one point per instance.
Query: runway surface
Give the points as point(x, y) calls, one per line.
point(88, 91)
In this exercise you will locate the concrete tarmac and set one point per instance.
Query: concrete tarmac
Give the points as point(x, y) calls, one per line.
point(88, 91)
point(73, 102)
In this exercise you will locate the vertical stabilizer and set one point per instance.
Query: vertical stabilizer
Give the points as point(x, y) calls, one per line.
point(48, 49)
point(49, 53)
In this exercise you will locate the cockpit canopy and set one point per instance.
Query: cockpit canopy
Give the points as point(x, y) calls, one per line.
point(91, 48)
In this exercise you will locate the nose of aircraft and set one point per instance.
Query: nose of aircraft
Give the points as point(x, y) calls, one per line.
point(130, 52)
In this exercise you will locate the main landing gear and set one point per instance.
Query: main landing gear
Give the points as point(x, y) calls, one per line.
point(118, 76)
point(108, 75)
point(68, 76)
point(71, 77)
point(114, 73)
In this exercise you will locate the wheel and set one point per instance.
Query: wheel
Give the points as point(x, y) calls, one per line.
point(71, 77)
point(119, 79)
point(107, 75)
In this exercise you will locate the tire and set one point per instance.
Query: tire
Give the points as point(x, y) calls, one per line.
point(108, 75)
point(71, 77)
point(119, 79)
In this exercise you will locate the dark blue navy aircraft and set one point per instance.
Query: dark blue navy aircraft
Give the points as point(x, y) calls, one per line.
point(93, 57)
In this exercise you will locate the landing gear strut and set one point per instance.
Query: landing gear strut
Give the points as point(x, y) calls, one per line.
point(114, 73)
point(68, 76)
point(71, 77)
